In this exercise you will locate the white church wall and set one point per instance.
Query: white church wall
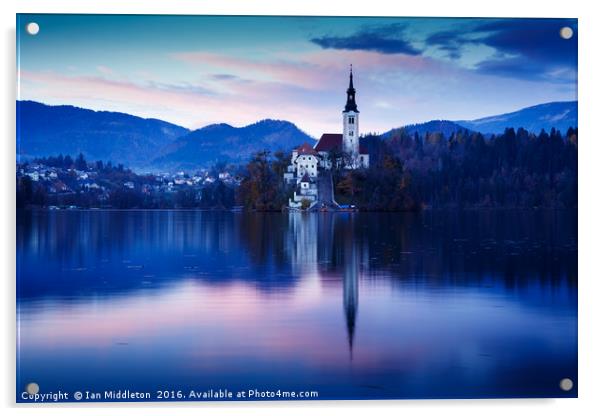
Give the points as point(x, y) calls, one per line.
point(351, 132)
point(307, 163)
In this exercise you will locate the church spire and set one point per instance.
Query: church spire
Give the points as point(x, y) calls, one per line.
point(351, 76)
point(351, 105)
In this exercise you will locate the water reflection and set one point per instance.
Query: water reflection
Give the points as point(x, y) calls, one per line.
point(308, 258)
point(350, 286)
point(453, 304)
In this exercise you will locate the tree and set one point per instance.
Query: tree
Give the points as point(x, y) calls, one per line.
point(258, 189)
point(67, 162)
point(186, 198)
point(305, 203)
point(24, 191)
point(80, 162)
point(349, 185)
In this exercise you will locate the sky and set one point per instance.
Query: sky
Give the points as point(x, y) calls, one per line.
point(199, 70)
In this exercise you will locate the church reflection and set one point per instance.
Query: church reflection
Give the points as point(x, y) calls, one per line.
point(323, 246)
point(351, 291)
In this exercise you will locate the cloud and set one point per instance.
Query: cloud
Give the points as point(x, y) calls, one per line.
point(184, 87)
point(528, 69)
point(537, 39)
point(105, 70)
point(85, 90)
point(526, 49)
point(221, 77)
point(450, 42)
point(292, 72)
point(192, 105)
point(305, 87)
point(530, 49)
point(387, 39)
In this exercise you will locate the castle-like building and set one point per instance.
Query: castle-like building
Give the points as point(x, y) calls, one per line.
point(343, 150)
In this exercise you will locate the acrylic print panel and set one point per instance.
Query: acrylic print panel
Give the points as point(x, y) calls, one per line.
point(295, 208)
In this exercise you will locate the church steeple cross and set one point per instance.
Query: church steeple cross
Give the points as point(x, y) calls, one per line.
point(351, 105)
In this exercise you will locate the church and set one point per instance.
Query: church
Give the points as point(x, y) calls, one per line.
point(309, 163)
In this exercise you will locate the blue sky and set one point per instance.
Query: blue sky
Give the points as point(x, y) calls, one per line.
point(198, 70)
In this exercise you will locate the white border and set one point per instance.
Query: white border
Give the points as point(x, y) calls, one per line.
point(590, 200)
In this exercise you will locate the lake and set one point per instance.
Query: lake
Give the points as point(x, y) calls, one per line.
point(449, 304)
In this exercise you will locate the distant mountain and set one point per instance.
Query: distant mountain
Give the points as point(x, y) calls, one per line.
point(559, 115)
point(446, 127)
point(225, 143)
point(44, 130)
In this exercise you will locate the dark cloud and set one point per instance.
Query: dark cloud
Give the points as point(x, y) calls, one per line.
point(525, 48)
point(450, 42)
point(527, 69)
point(537, 39)
point(224, 77)
point(388, 39)
point(184, 87)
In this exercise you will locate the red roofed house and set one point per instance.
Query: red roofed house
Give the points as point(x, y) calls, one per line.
point(330, 142)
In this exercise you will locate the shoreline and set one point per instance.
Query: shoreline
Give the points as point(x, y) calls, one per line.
point(288, 210)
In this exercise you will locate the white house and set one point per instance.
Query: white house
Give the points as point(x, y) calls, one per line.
point(306, 190)
point(306, 160)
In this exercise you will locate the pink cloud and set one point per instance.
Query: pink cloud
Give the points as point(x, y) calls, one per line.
point(297, 73)
point(240, 102)
point(105, 70)
point(305, 88)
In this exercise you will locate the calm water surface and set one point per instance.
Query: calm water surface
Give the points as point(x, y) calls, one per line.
point(362, 305)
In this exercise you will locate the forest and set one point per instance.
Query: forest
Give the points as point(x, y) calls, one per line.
point(516, 169)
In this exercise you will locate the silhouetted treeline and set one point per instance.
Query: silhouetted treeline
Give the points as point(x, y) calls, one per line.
point(516, 169)
point(513, 169)
point(263, 187)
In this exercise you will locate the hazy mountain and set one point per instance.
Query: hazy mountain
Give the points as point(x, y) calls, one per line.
point(446, 127)
point(44, 130)
point(559, 115)
point(225, 143)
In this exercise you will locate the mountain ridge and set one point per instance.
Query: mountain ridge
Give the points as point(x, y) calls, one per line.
point(446, 127)
point(556, 114)
point(152, 144)
point(222, 142)
point(44, 130)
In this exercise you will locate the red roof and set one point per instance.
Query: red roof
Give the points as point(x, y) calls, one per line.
point(328, 142)
point(306, 149)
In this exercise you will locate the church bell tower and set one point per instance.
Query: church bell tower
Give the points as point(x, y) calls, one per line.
point(351, 143)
